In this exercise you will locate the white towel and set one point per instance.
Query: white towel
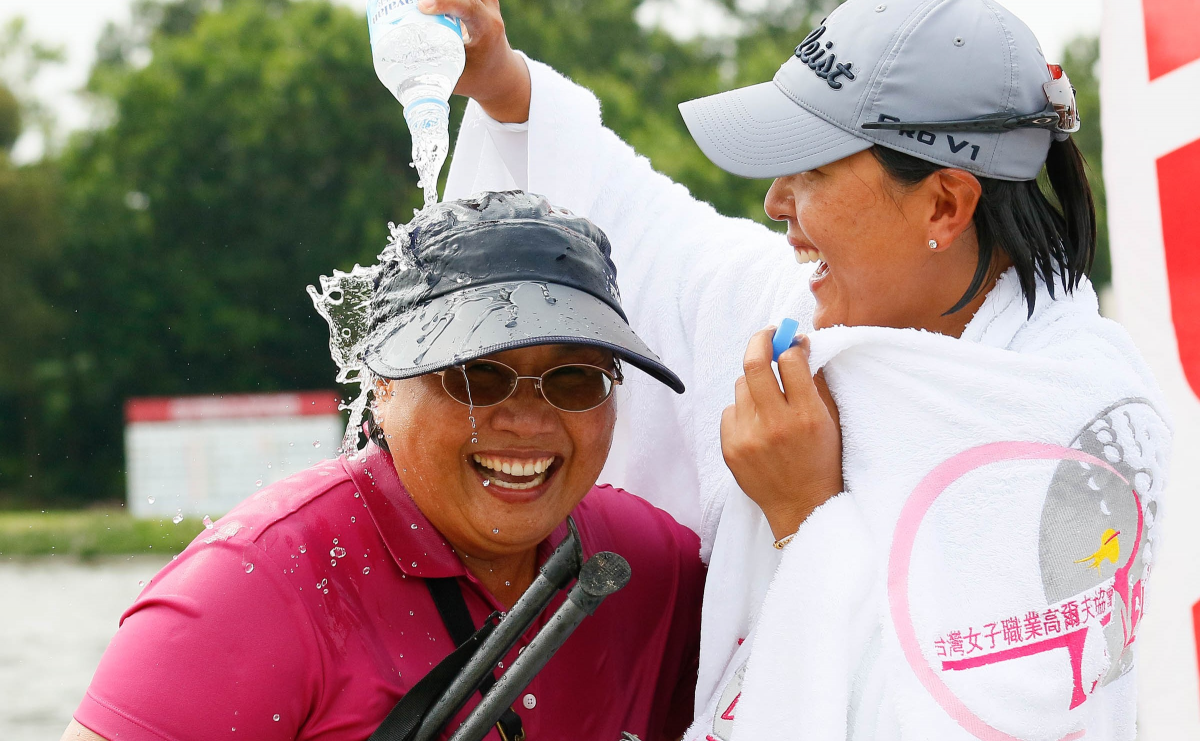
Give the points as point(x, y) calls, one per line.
point(826, 660)
point(983, 575)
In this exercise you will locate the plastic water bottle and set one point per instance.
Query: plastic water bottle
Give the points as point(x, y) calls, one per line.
point(419, 58)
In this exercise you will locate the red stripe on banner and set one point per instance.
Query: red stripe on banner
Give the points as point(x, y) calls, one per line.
point(1172, 34)
point(1178, 173)
point(233, 406)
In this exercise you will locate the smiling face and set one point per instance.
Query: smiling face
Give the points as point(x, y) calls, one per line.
point(462, 487)
point(870, 238)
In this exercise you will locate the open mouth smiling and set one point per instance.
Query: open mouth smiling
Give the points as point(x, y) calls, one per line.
point(516, 474)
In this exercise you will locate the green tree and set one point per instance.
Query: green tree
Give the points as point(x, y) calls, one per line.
point(254, 152)
point(1081, 61)
point(29, 258)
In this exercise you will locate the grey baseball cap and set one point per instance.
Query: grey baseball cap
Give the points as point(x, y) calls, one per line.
point(956, 82)
point(496, 272)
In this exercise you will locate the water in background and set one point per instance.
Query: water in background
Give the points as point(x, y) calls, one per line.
point(59, 618)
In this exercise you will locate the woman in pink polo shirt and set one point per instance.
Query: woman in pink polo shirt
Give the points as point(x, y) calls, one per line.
point(496, 336)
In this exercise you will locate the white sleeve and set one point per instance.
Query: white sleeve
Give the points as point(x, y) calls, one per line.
point(695, 284)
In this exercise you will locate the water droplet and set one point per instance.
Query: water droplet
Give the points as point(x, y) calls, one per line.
point(495, 531)
point(178, 518)
point(275, 717)
point(248, 567)
point(258, 483)
point(335, 541)
point(414, 526)
point(487, 482)
point(414, 564)
point(141, 583)
point(351, 519)
point(410, 612)
point(366, 570)
point(333, 562)
point(338, 552)
point(507, 583)
point(208, 523)
point(316, 443)
point(303, 548)
point(150, 499)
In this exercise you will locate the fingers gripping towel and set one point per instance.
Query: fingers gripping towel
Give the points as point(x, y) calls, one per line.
point(983, 575)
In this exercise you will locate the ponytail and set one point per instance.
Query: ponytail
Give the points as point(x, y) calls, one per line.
point(1054, 243)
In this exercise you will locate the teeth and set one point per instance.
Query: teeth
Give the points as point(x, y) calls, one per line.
point(515, 468)
point(541, 479)
point(806, 255)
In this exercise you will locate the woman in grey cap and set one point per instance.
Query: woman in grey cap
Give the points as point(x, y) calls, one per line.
point(952, 316)
point(496, 339)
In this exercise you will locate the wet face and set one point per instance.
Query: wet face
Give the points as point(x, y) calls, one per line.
point(869, 236)
point(552, 457)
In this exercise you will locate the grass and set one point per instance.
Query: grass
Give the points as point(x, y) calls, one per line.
point(91, 533)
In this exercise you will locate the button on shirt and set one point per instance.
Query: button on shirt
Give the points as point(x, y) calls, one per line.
point(303, 614)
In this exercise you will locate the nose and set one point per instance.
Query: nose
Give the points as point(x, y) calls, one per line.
point(526, 413)
point(779, 204)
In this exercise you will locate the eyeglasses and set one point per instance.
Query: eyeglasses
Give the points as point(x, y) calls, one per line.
point(1061, 114)
point(570, 388)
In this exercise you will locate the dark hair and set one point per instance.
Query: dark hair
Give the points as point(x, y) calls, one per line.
point(1017, 219)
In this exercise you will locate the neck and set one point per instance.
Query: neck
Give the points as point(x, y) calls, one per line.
point(506, 577)
point(955, 324)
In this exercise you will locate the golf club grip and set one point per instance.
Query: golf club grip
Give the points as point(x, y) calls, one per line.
point(602, 575)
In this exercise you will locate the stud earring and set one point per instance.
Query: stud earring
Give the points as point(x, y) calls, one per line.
point(933, 245)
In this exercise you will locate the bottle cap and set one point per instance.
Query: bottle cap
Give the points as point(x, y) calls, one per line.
point(784, 337)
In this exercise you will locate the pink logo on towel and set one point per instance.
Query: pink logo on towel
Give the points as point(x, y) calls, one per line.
point(1064, 625)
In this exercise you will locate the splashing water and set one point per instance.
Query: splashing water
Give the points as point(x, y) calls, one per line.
point(470, 406)
point(344, 301)
point(431, 142)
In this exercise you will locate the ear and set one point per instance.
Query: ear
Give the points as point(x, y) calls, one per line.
point(956, 195)
point(383, 391)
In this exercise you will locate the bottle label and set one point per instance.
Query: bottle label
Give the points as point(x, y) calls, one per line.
point(383, 14)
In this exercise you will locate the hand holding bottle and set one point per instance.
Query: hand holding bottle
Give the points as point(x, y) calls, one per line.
point(495, 76)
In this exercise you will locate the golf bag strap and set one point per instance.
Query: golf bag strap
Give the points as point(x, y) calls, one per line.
point(448, 597)
point(405, 719)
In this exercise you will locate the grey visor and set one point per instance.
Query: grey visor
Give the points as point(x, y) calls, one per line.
point(498, 272)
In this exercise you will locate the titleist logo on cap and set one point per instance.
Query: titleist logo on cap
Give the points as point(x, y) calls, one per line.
point(822, 60)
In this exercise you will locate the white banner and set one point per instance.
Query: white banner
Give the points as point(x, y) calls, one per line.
point(1150, 51)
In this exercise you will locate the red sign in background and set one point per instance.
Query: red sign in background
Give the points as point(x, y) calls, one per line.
point(1172, 41)
point(1178, 178)
point(1172, 35)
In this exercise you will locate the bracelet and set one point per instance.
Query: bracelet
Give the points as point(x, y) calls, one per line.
point(782, 542)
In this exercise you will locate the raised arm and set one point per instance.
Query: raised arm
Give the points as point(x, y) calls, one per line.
point(695, 284)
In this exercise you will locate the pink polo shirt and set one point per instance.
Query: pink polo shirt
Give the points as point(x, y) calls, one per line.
point(303, 614)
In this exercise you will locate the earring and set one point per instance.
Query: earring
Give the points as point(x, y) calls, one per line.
point(933, 245)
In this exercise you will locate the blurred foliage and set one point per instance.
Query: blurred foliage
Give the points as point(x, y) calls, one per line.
point(249, 148)
point(1082, 63)
point(91, 533)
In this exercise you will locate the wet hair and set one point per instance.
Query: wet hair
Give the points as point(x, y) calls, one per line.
point(1054, 240)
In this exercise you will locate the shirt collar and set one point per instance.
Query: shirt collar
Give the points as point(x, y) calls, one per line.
point(418, 548)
